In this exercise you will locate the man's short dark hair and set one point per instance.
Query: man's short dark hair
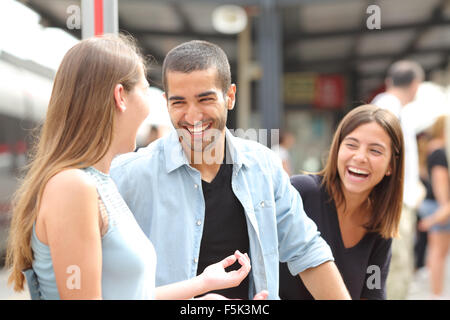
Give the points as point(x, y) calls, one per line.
point(403, 73)
point(198, 55)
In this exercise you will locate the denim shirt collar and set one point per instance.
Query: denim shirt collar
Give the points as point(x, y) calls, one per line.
point(175, 157)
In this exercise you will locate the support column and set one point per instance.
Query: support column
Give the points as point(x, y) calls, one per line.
point(244, 80)
point(99, 17)
point(270, 53)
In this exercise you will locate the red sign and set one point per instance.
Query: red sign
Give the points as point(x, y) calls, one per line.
point(320, 91)
point(329, 92)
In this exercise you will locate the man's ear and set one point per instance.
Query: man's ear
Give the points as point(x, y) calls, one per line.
point(119, 97)
point(231, 96)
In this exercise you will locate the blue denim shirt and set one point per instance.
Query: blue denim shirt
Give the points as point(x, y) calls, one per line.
point(165, 194)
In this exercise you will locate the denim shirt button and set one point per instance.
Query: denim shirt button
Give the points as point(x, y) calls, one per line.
point(199, 222)
point(195, 186)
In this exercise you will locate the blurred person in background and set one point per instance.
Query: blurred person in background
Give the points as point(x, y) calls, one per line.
point(402, 82)
point(420, 244)
point(287, 141)
point(68, 215)
point(435, 209)
point(356, 202)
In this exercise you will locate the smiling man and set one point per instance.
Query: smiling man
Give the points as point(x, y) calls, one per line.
point(198, 110)
point(200, 193)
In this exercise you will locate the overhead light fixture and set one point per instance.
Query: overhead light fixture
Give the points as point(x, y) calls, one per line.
point(229, 19)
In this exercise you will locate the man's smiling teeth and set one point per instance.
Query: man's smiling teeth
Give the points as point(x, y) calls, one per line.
point(197, 129)
point(358, 171)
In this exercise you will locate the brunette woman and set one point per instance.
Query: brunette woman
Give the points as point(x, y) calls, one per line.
point(356, 202)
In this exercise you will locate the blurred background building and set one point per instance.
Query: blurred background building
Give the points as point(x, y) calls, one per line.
point(299, 65)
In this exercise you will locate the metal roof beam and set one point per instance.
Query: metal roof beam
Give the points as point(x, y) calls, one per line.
point(50, 20)
point(147, 49)
point(294, 38)
point(421, 31)
point(357, 59)
point(186, 24)
point(186, 33)
point(302, 36)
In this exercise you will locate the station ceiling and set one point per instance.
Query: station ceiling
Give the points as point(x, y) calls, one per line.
point(322, 36)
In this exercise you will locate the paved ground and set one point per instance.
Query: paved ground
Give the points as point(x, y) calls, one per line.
point(419, 290)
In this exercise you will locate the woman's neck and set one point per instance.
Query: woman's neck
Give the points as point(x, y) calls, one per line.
point(354, 206)
point(104, 163)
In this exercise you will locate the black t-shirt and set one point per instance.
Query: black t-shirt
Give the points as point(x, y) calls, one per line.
point(436, 158)
point(363, 267)
point(224, 229)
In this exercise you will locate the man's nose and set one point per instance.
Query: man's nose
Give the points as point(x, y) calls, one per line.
point(193, 114)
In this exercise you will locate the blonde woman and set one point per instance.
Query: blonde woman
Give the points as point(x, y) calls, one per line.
point(69, 222)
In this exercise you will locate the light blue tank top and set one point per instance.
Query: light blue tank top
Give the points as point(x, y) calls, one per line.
point(128, 256)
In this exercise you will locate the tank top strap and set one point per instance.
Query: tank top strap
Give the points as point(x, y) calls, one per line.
point(109, 196)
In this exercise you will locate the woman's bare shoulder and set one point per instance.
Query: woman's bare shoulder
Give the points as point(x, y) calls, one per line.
point(74, 181)
point(70, 190)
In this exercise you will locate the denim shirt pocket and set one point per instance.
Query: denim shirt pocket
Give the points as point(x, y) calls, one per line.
point(266, 216)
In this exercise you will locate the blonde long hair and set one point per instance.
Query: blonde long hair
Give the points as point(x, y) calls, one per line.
point(77, 132)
